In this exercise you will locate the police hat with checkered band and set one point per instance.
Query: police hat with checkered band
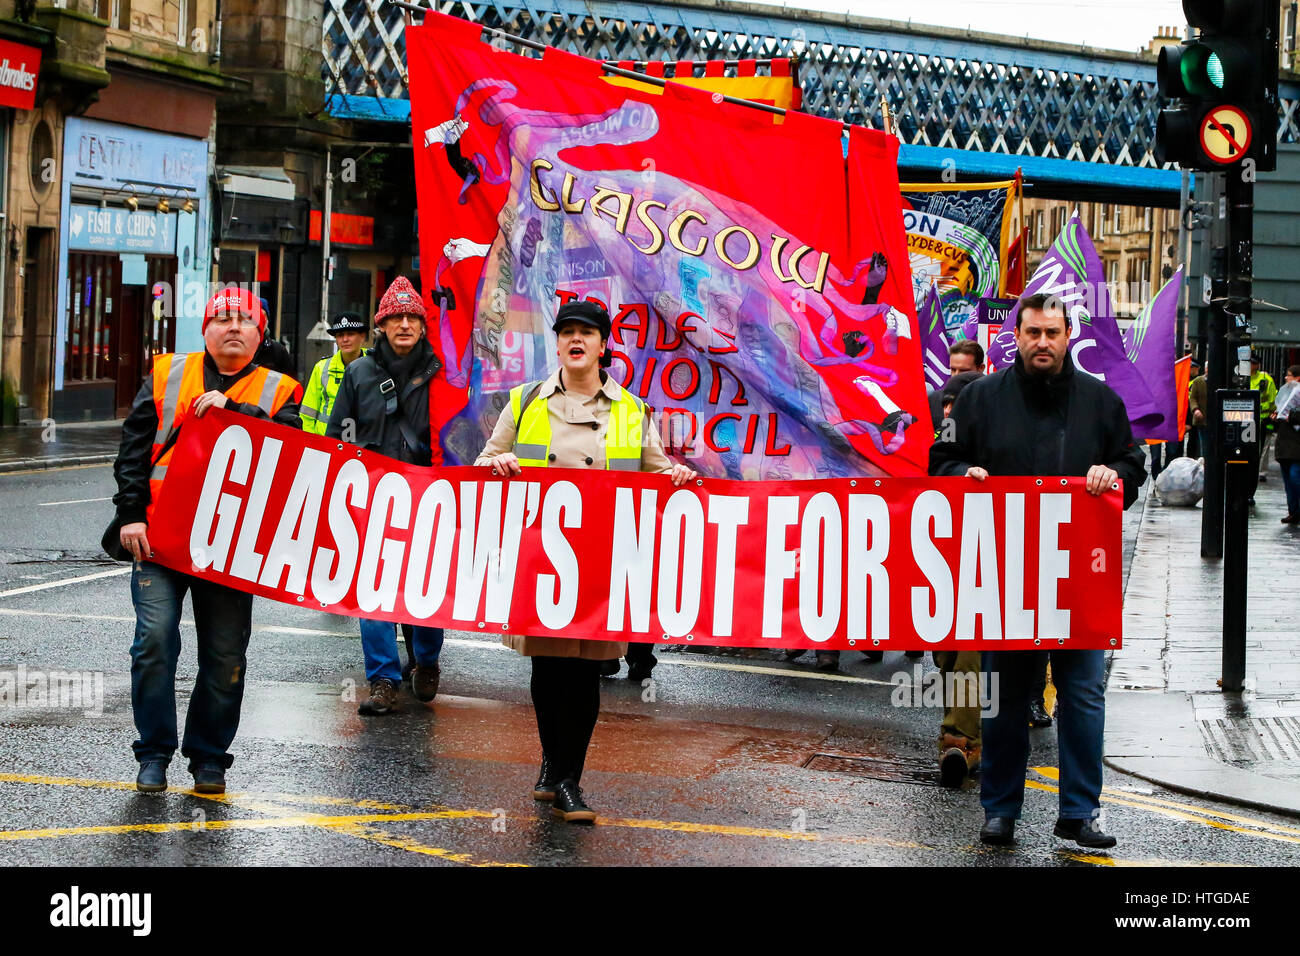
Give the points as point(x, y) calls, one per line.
point(348, 322)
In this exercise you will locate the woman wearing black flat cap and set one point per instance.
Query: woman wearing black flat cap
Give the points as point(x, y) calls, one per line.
point(564, 422)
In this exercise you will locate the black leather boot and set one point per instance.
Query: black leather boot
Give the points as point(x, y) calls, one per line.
point(547, 778)
point(569, 805)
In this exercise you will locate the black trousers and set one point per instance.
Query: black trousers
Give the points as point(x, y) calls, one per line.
point(1038, 678)
point(566, 696)
point(642, 654)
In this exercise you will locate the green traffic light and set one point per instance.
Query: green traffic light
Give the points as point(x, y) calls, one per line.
point(1214, 70)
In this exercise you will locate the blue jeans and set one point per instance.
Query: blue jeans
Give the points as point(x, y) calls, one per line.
point(379, 645)
point(1291, 482)
point(1079, 677)
point(223, 623)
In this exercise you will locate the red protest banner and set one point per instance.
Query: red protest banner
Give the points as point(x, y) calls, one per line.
point(763, 314)
point(609, 555)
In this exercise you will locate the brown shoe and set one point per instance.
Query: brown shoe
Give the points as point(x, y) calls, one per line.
point(958, 757)
point(424, 681)
point(382, 699)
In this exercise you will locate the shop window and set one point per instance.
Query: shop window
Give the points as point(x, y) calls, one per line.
point(92, 291)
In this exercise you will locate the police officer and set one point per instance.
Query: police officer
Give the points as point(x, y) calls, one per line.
point(223, 375)
point(349, 330)
point(579, 418)
point(1263, 383)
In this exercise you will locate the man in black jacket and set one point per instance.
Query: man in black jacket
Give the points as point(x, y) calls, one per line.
point(223, 375)
point(383, 405)
point(1043, 417)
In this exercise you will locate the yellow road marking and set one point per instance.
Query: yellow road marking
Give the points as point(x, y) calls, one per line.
point(1052, 773)
point(376, 835)
point(1263, 831)
point(217, 797)
point(1097, 860)
point(65, 781)
point(273, 823)
point(680, 826)
point(358, 825)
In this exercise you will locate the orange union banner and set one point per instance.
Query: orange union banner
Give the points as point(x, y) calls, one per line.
point(893, 563)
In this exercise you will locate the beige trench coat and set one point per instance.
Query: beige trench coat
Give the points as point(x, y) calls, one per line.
point(578, 426)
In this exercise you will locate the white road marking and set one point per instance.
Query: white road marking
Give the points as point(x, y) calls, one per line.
point(74, 501)
point(14, 592)
point(464, 642)
point(777, 671)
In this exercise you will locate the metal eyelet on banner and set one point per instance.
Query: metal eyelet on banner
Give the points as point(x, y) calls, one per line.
point(699, 481)
point(1063, 481)
point(665, 637)
point(300, 598)
point(1060, 640)
point(1037, 641)
point(1114, 486)
point(505, 627)
point(1112, 642)
point(877, 483)
point(480, 624)
point(853, 642)
point(323, 604)
point(853, 484)
point(340, 447)
point(690, 637)
point(875, 642)
point(1039, 481)
point(358, 452)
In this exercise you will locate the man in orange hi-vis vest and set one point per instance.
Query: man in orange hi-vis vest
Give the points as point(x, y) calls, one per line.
point(223, 375)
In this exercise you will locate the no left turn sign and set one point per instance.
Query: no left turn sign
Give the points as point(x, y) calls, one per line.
point(1225, 134)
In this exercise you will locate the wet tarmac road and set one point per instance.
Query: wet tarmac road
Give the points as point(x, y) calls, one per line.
point(731, 760)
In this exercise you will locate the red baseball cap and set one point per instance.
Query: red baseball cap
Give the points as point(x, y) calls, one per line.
point(234, 301)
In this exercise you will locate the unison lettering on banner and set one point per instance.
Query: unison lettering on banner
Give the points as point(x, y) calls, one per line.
point(613, 556)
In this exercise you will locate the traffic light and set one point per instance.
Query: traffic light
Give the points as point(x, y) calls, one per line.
point(1224, 82)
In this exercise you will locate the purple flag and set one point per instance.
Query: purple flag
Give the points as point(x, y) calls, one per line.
point(934, 344)
point(1073, 271)
point(1149, 344)
point(970, 326)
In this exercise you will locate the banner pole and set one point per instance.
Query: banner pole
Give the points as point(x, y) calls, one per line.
point(605, 65)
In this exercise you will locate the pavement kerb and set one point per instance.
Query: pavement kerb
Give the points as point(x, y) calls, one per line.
point(1180, 774)
point(41, 464)
point(1152, 715)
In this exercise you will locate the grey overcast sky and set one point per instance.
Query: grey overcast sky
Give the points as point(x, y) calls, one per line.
point(1113, 24)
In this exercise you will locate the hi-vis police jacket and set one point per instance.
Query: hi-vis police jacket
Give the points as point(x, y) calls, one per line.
point(322, 388)
point(572, 431)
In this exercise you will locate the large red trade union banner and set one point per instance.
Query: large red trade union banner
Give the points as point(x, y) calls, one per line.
point(1008, 563)
point(758, 280)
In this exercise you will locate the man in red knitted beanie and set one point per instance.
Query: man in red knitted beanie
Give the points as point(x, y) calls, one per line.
point(383, 405)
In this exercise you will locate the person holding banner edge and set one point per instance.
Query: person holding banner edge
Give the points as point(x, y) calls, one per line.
point(1041, 417)
point(223, 375)
point(383, 405)
point(577, 418)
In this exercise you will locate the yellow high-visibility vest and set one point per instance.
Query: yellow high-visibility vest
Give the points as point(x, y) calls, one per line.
point(623, 437)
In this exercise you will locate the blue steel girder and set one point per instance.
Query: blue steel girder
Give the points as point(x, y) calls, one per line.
point(948, 89)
